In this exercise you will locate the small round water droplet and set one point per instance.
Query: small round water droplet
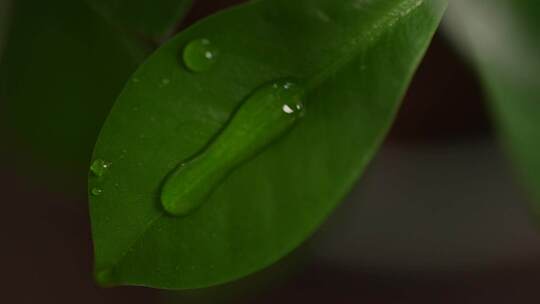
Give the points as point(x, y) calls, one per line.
point(99, 167)
point(97, 191)
point(200, 55)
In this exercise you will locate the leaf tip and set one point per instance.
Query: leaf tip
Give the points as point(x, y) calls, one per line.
point(104, 277)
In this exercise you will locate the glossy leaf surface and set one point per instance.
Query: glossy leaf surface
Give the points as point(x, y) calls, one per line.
point(354, 60)
point(503, 39)
point(152, 18)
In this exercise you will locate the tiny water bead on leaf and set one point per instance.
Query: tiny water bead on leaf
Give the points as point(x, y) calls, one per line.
point(99, 167)
point(262, 118)
point(200, 55)
point(97, 191)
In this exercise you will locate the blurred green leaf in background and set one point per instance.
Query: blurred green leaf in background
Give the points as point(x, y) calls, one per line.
point(60, 72)
point(502, 38)
point(5, 17)
point(153, 19)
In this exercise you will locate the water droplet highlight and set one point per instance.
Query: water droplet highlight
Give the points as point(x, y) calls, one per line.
point(200, 55)
point(99, 167)
point(165, 82)
point(97, 191)
point(266, 115)
point(288, 109)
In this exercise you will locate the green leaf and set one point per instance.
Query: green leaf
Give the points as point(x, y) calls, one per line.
point(61, 70)
point(353, 59)
point(153, 18)
point(5, 16)
point(503, 39)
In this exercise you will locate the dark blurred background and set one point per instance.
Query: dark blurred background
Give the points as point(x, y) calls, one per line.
point(437, 218)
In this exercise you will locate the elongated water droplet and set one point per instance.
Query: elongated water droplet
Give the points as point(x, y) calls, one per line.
point(262, 118)
point(200, 55)
point(97, 191)
point(99, 167)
